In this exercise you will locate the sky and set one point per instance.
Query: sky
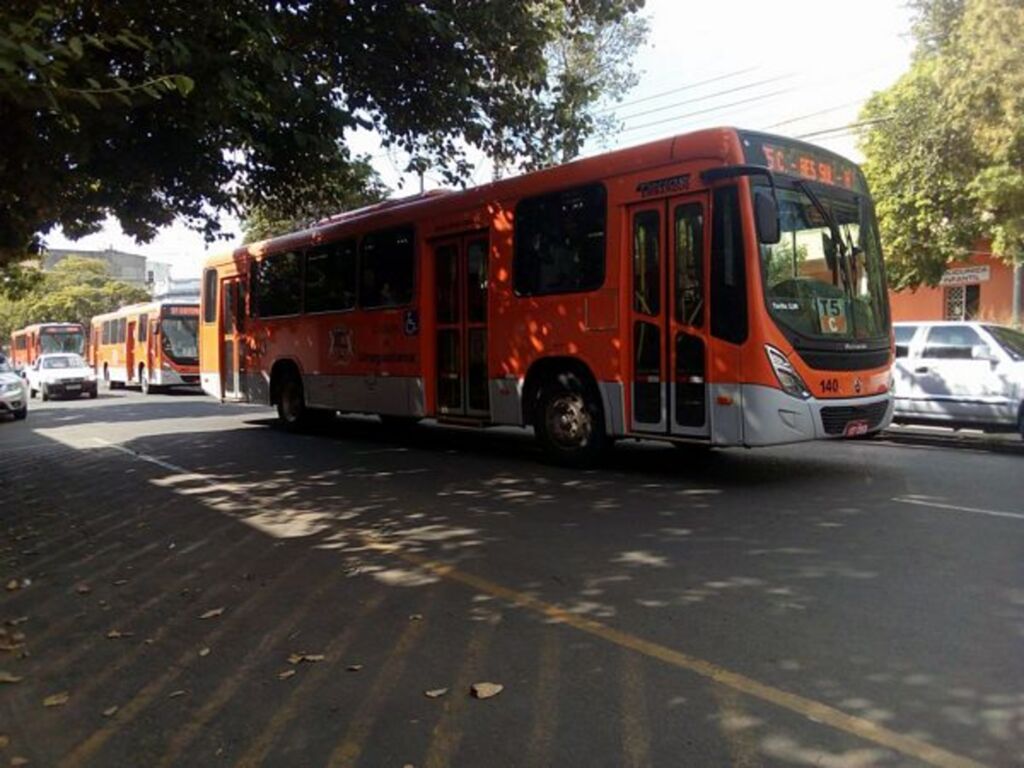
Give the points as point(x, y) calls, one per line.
point(800, 68)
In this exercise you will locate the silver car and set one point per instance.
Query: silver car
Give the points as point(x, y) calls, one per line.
point(959, 374)
point(13, 392)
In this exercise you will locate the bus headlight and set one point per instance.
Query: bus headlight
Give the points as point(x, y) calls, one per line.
point(789, 379)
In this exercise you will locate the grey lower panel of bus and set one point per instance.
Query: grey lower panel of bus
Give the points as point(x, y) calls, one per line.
point(391, 395)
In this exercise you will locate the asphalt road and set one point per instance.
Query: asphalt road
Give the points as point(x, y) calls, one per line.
point(188, 585)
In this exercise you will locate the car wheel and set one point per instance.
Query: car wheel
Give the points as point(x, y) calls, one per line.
point(1020, 421)
point(569, 421)
point(93, 394)
point(44, 394)
point(21, 413)
point(32, 394)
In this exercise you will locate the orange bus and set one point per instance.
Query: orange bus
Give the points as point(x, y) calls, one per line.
point(725, 287)
point(151, 345)
point(34, 340)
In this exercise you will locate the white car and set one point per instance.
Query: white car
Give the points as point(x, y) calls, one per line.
point(959, 374)
point(60, 374)
point(13, 392)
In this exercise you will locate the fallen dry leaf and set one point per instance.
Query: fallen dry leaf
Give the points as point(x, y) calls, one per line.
point(354, 667)
point(435, 693)
point(5, 741)
point(486, 690)
point(297, 658)
point(18, 637)
point(18, 760)
point(9, 647)
point(110, 711)
point(416, 617)
point(7, 677)
point(212, 613)
point(120, 582)
point(83, 589)
point(17, 621)
point(175, 694)
point(116, 634)
point(286, 674)
point(57, 699)
point(12, 585)
point(204, 651)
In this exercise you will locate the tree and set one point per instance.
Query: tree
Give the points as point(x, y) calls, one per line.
point(75, 290)
point(150, 111)
point(350, 186)
point(945, 155)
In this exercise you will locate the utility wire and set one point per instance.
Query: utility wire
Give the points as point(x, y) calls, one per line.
point(674, 118)
point(687, 87)
point(738, 88)
point(849, 128)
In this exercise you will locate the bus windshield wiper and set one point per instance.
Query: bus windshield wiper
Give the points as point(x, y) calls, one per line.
point(837, 237)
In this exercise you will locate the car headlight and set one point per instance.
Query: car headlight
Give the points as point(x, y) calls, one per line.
point(90, 376)
point(789, 379)
point(10, 386)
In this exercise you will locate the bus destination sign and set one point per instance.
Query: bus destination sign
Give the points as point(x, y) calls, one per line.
point(181, 311)
point(801, 160)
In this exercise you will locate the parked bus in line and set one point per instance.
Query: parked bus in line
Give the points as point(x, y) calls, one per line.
point(725, 287)
point(152, 345)
point(30, 342)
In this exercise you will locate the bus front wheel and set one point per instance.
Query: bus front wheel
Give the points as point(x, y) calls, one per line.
point(569, 421)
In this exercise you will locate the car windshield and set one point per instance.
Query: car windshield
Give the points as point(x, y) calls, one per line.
point(61, 341)
point(5, 367)
point(817, 287)
point(63, 361)
point(181, 339)
point(1010, 340)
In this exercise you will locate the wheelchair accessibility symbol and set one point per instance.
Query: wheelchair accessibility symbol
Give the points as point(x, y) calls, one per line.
point(411, 323)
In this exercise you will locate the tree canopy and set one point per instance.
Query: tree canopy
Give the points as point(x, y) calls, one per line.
point(74, 291)
point(945, 153)
point(151, 111)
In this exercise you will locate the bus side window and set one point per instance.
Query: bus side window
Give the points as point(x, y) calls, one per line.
point(209, 295)
point(143, 327)
point(387, 262)
point(728, 273)
point(278, 284)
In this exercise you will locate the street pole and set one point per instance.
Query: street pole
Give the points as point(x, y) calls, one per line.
point(1018, 289)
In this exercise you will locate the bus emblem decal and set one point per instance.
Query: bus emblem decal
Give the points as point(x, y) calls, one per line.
point(342, 348)
point(411, 324)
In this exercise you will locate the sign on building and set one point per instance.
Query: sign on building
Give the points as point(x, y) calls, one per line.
point(965, 276)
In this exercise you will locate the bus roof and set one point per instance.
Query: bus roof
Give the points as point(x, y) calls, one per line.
point(146, 306)
point(40, 326)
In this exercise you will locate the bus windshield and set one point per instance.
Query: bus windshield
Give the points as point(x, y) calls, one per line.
point(61, 341)
point(815, 286)
point(181, 339)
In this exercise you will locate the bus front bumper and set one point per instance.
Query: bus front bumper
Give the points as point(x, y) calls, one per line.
point(771, 417)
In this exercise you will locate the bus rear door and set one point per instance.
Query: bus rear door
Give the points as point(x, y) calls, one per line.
point(231, 338)
point(460, 269)
point(669, 349)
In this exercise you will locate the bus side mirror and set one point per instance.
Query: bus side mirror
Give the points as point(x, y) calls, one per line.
point(766, 215)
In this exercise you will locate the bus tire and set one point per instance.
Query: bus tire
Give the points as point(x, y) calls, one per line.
point(291, 403)
point(144, 384)
point(569, 420)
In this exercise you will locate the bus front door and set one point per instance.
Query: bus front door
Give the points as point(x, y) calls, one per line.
point(230, 368)
point(669, 260)
point(460, 270)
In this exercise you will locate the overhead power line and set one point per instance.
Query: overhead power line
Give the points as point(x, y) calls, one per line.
point(813, 114)
point(760, 97)
point(848, 128)
point(745, 87)
point(679, 89)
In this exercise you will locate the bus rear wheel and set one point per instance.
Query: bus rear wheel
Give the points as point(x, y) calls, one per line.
point(569, 421)
point(144, 385)
point(291, 403)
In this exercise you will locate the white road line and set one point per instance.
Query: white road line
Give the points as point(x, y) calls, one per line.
point(143, 457)
point(955, 508)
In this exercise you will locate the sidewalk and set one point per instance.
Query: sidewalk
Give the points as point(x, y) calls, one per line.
point(945, 437)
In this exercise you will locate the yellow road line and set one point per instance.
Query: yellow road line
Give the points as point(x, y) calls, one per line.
point(545, 707)
point(814, 710)
point(636, 732)
point(287, 712)
point(145, 696)
point(447, 733)
point(182, 738)
point(347, 753)
point(742, 749)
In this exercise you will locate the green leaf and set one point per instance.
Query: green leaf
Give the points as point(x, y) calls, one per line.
point(75, 44)
point(92, 100)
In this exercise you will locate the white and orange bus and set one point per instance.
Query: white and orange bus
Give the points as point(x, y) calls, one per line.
point(152, 345)
point(42, 338)
point(725, 287)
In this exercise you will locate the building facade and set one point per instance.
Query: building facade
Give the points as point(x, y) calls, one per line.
point(980, 288)
point(132, 268)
